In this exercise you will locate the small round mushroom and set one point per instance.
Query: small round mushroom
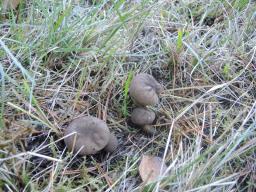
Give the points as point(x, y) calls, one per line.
point(144, 118)
point(112, 144)
point(144, 90)
point(91, 135)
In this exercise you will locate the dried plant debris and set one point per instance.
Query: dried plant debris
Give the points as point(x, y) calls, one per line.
point(150, 167)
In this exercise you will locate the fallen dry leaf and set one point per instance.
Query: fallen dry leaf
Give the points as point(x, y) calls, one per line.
point(10, 4)
point(149, 168)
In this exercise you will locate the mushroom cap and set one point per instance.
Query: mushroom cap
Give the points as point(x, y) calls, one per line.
point(92, 134)
point(144, 89)
point(112, 144)
point(142, 116)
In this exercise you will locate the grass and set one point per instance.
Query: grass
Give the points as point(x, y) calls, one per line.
point(63, 59)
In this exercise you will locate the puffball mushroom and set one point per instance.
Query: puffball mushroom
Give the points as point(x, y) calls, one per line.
point(144, 90)
point(90, 136)
point(144, 117)
point(112, 144)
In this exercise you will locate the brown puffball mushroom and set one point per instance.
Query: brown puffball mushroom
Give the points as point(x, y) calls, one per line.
point(142, 116)
point(112, 144)
point(92, 135)
point(144, 90)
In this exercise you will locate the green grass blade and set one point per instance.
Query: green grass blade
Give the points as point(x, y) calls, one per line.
point(126, 91)
point(2, 97)
point(179, 40)
point(16, 62)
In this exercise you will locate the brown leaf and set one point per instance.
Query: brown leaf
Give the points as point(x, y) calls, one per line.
point(10, 4)
point(149, 168)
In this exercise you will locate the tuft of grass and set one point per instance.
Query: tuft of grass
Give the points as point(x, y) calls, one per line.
point(125, 94)
point(241, 4)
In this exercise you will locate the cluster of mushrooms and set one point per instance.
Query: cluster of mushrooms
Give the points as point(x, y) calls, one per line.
point(144, 91)
point(88, 135)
